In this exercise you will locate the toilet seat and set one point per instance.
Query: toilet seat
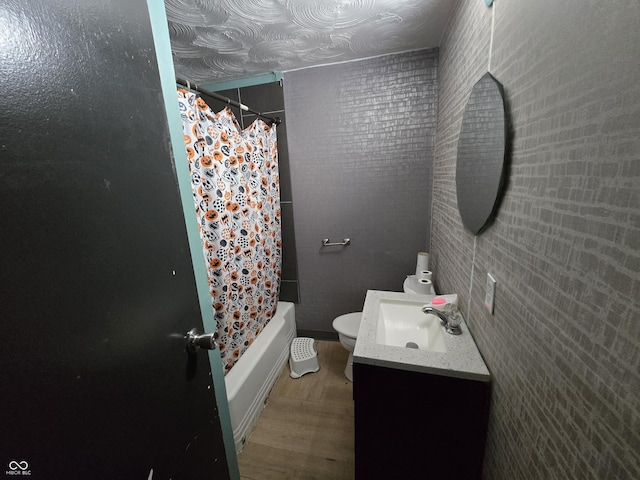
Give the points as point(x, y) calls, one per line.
point(348, 324)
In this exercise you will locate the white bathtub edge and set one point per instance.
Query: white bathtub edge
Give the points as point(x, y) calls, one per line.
point(251, 379)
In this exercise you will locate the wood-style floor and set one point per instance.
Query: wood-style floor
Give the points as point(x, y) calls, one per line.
point(306, 430)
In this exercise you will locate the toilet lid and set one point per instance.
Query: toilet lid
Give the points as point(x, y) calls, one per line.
point(348, 324)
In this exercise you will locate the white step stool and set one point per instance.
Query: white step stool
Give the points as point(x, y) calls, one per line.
point(304, 358)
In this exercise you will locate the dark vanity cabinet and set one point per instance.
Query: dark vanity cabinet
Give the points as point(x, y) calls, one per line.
point(413, 425)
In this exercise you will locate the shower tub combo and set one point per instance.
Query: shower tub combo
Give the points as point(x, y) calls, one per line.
point(250, 380)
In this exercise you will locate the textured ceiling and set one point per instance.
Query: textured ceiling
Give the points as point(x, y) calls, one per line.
point(218, 40)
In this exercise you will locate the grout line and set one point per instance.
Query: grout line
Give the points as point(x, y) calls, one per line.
point(473, 267)
point(493, 22)
point(475, 238)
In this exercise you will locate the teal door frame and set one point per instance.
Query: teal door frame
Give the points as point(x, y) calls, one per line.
point(159, 25)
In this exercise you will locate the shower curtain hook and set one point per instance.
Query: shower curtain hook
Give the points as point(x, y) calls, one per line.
point(188, 84)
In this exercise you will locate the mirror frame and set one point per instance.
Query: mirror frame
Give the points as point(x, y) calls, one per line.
point(480, 165)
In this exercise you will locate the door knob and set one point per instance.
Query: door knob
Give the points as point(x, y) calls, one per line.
point(195, 341)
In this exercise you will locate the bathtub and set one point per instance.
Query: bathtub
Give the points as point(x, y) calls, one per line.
point(250, 380)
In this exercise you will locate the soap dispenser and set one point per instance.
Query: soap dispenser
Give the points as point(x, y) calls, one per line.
point(441, 301)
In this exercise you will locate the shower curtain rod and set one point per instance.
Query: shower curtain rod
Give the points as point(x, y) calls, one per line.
point(193, 86)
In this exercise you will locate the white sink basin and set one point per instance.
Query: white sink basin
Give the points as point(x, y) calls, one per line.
point(392, 319)
point(401, 323)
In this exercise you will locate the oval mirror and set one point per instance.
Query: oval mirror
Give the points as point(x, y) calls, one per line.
point(481, 154)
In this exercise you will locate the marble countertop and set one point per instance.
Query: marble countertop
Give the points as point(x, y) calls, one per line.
point(462, 359)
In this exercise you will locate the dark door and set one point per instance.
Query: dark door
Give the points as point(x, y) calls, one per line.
point(96, 283)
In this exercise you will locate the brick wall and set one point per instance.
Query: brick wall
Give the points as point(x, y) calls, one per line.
point(563, 346)
point(361, 140)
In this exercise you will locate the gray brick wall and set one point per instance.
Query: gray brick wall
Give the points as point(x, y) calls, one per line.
point(563, 346)
point(361, 140)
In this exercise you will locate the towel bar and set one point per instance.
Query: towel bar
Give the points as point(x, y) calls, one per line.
point(344, 242)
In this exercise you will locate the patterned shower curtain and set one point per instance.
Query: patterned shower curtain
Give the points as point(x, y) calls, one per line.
point(234, 177)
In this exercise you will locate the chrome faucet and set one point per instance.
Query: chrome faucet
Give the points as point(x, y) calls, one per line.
point(450, 320)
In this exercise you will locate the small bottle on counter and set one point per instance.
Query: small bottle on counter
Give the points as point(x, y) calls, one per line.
point(440, 301)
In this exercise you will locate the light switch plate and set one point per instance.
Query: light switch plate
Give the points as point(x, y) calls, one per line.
point(490, 293)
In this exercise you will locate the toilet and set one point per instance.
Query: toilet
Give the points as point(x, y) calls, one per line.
point(347, 326)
